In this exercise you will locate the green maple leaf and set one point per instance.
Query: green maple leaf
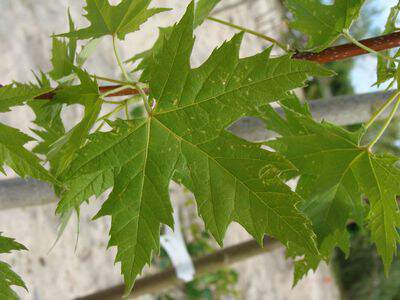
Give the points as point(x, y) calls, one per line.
point(119, 20)
point(16, 94)
point(203, 9)
point(61, 60)
point(325, 158)
point(63, 149)
point(233, 180)
point(86, 51)
point(48, 114)
point(63, 55)
point(14, 155)
point(48, 117)
point(147, 57)
point(7, 277)
point(81, 189)
point(336, 173)
point(87, 94)
point(323, 23)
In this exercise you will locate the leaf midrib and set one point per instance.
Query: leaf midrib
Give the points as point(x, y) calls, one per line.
point(148, 124)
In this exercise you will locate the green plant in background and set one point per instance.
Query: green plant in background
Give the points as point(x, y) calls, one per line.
point(181, 135)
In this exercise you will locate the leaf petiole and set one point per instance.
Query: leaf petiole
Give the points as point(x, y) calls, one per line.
point(132, 85)
point(126, 110)
point(119, 61)
point(114, 111)
point(250, 31)
point(381, 109)
point(144, 98)
point(121, 105)
point(109, 79)
point(73, 76)
point(387, 122)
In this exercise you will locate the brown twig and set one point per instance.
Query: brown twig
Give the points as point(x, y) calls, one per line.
point(379, 43)
point(331, 54)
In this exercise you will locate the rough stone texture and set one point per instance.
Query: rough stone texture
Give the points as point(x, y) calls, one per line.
point(64, 273)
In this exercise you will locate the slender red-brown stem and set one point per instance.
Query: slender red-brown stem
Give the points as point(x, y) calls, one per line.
point(331, 54)
point(379, 43)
